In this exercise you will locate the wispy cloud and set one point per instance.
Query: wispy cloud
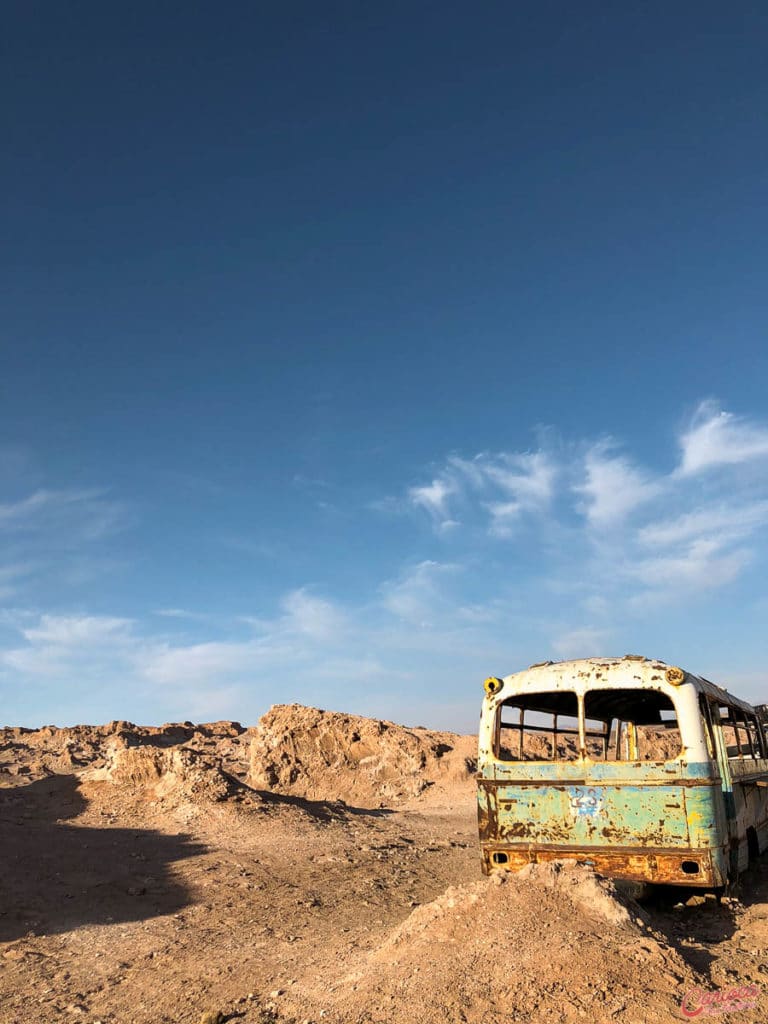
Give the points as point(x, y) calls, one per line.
point(67, 535)
point(579, 643)
point(20, 514)
point(622, 538)
point(11, 575)
point(613, 487)
point(435, 497)
point(71, 630)
point(177, 664)
point(90, 513)
point(182, 613)
point(716, 520)
point(312, 616)
point(718, 438)
point(56, 645)
point(508, 485)
point(703, 564)
point(418, 593)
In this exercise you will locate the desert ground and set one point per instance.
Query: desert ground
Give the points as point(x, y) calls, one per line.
point(318, 867)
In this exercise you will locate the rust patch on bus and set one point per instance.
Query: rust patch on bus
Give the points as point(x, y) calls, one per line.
point(487, 822)
point(687, 867)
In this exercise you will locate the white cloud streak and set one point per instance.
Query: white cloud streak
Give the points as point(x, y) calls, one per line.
point(434, 499)
point(613, 488)
point(700, 565)
point(717, 438)
point(722, 521)
point(73, 630)
point(418, 594)
point(59, 535)
point(312, 616)
point(85, 514)
point(579, 643)
point(508, 485)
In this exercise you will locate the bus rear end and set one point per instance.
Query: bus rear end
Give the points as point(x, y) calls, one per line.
point(603, 761)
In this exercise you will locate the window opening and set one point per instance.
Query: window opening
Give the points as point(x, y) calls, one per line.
point(538, 727)
point(639, 724)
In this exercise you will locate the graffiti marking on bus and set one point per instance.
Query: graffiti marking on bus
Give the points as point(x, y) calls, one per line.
point(585, 803)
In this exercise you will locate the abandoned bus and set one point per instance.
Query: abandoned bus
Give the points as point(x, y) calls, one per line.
point(646, 772)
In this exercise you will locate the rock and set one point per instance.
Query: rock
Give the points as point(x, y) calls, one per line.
point(212, 1017)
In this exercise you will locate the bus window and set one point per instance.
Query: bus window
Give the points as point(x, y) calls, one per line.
point(597, 738)
point(706, 709)
point(762, 727)
point(641, 724)
point(734, 732)
point(754, 739)
point(538, 727)
point(759, 737)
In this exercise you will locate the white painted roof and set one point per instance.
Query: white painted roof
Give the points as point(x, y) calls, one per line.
point(617, 671)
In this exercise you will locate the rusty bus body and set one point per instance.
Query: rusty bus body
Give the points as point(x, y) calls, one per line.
point(647, 772)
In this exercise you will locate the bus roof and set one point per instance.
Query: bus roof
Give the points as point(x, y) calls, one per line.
point(618, 671)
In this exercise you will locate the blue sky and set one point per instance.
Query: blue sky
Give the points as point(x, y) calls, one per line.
point(354, 353)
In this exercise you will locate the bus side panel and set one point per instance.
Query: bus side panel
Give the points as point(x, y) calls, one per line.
point(750, 799)
point(706, 816)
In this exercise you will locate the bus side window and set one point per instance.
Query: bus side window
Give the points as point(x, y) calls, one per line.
point(742, 736)
point(750, 739)
point(762, 727)
point(763, 735)
point(754, 736)
point(733, 741)
point(708, 729)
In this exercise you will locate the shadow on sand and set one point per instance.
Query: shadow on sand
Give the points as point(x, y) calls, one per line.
point(707, 922)
point(320, 810)
point(56, 876)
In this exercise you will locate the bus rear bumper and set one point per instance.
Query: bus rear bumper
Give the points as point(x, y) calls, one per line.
point(696, 868)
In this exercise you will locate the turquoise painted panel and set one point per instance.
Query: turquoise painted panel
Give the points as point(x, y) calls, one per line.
point(624, 815)
point(592, 815)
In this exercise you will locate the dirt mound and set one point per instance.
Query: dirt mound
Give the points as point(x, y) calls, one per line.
point(597, 897)
point(49, 750)
point(36, 753)
point(165, 773)
point(327, 755)
point(555, 943)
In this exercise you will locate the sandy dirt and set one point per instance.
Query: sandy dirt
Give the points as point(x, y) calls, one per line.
point(319, 867)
